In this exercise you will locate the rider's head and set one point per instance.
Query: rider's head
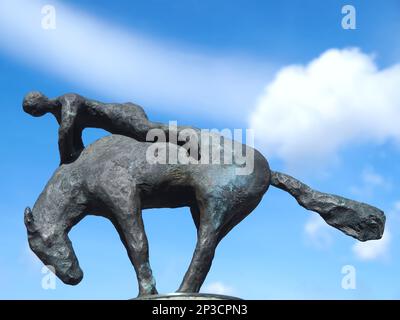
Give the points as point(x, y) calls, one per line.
point(37, 104)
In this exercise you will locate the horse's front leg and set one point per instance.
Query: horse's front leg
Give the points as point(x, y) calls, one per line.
point(129, 223)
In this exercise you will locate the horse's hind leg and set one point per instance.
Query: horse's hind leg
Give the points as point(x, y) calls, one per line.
point(207, 241)
point(129, 223)
point(201, 261)
point(213, 221)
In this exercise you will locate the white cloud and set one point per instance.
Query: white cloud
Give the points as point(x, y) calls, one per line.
point(371, 180)
point(125, 65)
point(373, 249)
point(218, 288)
point(318, 232)
point(309, 112)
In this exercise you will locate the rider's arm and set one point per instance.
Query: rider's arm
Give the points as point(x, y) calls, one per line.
point(66, 132)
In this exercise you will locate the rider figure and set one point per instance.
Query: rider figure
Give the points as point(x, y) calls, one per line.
point(75, 113)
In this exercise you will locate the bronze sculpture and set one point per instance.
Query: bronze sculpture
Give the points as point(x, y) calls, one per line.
point(113, 178)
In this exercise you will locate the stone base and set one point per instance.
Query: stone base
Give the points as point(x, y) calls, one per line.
point(187, 296)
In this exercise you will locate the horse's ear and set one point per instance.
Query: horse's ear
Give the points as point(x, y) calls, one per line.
point(28, 219)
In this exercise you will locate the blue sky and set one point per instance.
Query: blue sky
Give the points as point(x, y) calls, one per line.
point(323, 101)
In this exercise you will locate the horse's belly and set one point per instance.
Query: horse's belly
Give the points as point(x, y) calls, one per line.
point(167, 197)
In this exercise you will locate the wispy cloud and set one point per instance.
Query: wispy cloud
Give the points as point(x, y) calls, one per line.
point(309, 112)
point(374, 249)
point(218, 287)
point(371, 182)
point(318, 232)
point(125, 65)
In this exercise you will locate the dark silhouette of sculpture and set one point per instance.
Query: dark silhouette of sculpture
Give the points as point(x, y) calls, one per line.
point(112, 178)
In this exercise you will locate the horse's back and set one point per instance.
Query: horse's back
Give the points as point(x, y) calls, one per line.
point(119, 161)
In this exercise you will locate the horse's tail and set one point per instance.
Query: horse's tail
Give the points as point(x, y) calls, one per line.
point(356, 219)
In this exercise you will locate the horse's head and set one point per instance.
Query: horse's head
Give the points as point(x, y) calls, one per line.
point(51, 244)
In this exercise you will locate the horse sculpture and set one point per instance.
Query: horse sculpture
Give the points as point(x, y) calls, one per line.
point(112, 178)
